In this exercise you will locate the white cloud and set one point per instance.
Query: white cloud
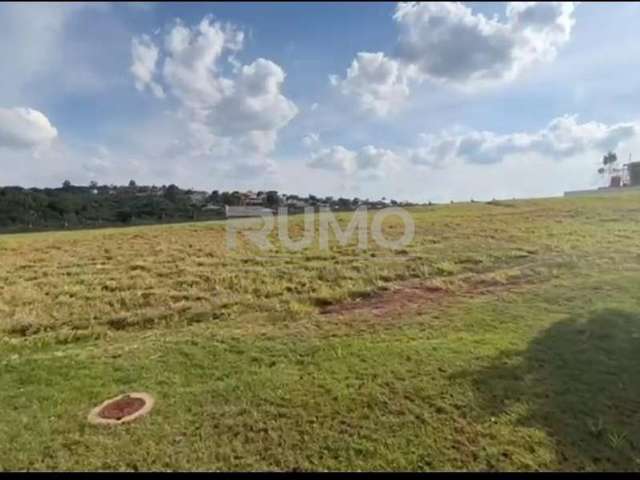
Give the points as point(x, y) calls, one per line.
point(379, 84)
point(255, 103)
point(25, 128)
point(311, 140)
point(450, 43)
point(562, 138)
point(463, 163)
point(336, 158)
point(191, 68)
point(377, 163)
point(447, 43)
point(369, 160)
point(439, 151)
point(232, 115)
point(144, 57)
point(372, 158)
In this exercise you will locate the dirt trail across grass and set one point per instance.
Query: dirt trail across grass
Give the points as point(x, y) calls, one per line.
point(413, 296)
point(403, 297)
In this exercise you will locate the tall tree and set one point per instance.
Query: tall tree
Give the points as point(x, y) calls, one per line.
point(609, 160)
point(273, 200)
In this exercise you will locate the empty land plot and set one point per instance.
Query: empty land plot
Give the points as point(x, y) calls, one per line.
point(500, 338)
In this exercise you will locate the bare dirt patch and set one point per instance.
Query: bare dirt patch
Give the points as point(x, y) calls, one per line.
point(123, 407)
point(414, 295)
point(400, 298)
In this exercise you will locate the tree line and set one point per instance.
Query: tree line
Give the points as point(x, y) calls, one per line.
point(95, 205)
point(73, 206)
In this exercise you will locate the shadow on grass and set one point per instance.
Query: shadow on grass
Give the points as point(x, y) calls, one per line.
point(579, 381)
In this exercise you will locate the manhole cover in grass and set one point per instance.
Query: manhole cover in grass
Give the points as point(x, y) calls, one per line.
point(121, 409)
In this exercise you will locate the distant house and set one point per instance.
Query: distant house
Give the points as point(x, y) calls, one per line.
point(251, 198)
point(246, 211)
point(296, 203)
point(378, 204)
point(254, 199)
point(212, 207)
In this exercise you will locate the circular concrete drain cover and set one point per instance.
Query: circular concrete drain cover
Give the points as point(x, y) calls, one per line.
point(121, 409)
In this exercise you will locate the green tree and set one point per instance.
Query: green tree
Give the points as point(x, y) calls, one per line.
point(171, 193)
point(609, 160)
point(273, 200)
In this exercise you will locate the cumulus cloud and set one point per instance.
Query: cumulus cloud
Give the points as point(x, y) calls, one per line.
point(372, 158)
point(447, 43)
point(335, 158)
point(25, 128)
point(311, 140)
point(464, 163)
point(191, 69)
point(378, 83)
point(563, 137)
point(229, 114)
point(255, 103)
point(369, 160)
point(144, 57)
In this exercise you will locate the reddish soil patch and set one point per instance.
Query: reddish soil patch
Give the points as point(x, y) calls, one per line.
point(415, 295)
point(123, 407)
point(399, 299)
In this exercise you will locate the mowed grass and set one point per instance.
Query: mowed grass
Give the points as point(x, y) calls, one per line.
point(529, 360)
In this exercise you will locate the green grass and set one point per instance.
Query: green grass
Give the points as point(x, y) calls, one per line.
point(530, 362)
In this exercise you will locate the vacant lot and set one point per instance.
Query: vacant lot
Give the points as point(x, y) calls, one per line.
point(506, 336)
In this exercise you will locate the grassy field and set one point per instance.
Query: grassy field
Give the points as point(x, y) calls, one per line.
point(505, 337)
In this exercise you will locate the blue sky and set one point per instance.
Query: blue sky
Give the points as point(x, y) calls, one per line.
point(447, 101)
